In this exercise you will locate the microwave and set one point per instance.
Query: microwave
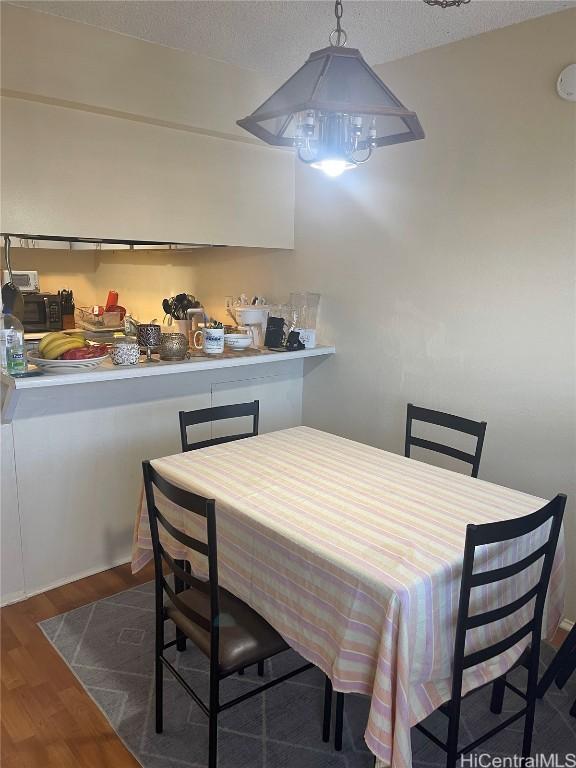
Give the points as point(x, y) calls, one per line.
point(42, 312)
point(26, 280)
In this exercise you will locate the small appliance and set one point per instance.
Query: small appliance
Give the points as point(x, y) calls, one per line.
point(25, 280)
point(42, 312)
point(251, 320)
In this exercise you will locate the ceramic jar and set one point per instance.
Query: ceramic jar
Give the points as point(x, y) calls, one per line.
point(125, 353)
point(173, 346)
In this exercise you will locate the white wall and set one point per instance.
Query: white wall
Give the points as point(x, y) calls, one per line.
point(447, 266)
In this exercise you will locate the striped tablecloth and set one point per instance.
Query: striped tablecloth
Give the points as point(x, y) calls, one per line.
point(355, 555)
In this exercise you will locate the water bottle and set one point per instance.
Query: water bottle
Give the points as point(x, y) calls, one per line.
point(12, 349)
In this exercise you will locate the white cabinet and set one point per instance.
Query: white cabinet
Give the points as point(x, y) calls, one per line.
point(69, 172)
point(71, 461)
point(107, 136)
point(11, 570)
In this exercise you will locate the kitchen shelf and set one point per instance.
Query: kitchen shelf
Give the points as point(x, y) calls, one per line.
point(110, 372)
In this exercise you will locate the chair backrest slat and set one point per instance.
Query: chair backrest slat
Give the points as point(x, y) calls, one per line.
point(448, 420)
point(180, 536)
point(217, 413)
point(202, 621)
point(179, 496)
point(180, 573)
point(442, 419)
point(514, 528)
point(497, 574)
point(218, 441)
point(472, 659)
point(447, 450)
point(479, 619)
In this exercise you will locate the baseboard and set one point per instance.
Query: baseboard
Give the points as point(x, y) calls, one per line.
point(566, 624)
point(13, 597)
point(18, 597)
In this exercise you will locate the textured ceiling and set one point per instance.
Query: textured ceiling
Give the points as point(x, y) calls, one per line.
point(276, 36)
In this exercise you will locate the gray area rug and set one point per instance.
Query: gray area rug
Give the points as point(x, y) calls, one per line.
point(109, 646)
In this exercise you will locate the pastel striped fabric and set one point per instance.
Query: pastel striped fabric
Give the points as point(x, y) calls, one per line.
point(355, 556)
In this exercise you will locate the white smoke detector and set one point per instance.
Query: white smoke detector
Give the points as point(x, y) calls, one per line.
point(566, 84)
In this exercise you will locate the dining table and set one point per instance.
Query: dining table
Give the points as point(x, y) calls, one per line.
point(354, 555)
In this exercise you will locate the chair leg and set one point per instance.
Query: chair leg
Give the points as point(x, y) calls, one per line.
point(159, 674)
point(179, 586)
point(531, 694)
point(327, 710)
point(453, 733)
point(568, 669)
point(180, 641)
point(497, 700)
point(339, 721)
point(213, 722)
point(213, 740)
point(563, 654)
point(159, 694)
point(260, 669)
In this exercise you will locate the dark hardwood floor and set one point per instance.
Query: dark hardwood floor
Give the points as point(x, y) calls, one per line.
point(47, 719)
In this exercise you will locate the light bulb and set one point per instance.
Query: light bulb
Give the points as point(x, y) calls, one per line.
point(334, 166)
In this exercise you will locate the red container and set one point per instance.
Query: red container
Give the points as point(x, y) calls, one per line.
point(112, 299)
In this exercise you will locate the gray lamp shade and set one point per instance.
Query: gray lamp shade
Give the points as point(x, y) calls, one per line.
point(334, 80)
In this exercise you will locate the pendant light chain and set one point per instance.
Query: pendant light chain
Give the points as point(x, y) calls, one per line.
point(338, 36)
point(447, 3)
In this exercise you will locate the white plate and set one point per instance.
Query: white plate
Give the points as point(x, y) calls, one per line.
point(67, 366)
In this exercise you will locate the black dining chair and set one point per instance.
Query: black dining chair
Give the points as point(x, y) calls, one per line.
point(217, 413)
point(478, 535)
point(440, 419)
point(230, 633)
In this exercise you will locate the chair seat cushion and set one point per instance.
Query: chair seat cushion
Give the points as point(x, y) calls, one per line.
point(245, 637)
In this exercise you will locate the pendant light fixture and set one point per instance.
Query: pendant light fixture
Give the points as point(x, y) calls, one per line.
point(334, 110)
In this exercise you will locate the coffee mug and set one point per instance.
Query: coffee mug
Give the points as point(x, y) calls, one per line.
point(212, 340)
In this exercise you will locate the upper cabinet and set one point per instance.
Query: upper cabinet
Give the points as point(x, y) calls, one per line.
point(107, 136)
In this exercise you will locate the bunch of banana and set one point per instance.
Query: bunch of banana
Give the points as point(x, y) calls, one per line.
point(55, 344)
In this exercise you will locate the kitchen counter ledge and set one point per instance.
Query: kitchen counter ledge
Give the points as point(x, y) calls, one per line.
point(108, 371)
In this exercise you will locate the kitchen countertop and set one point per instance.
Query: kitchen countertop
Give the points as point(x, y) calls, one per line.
point(110, 372)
